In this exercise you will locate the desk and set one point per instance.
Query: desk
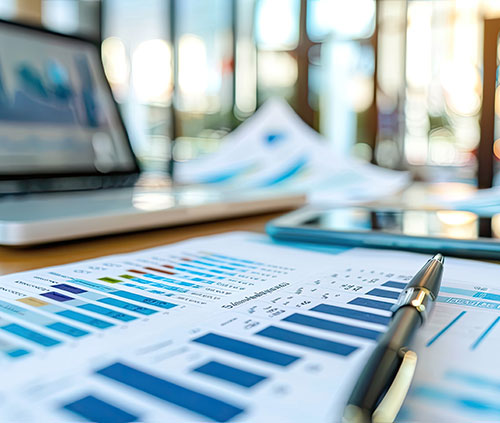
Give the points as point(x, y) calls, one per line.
point(20, 259)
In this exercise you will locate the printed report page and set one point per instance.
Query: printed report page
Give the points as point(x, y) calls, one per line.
point(235, 327)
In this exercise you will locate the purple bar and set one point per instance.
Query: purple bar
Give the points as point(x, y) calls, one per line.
point(56, 296)
point(69, 288)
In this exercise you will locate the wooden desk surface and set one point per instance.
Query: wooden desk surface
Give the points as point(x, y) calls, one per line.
point(19, 259)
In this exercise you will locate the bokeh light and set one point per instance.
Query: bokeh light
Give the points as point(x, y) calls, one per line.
point(151, 71)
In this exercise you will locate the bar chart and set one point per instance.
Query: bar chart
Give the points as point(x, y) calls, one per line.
point(43, 310)
point(235, 338)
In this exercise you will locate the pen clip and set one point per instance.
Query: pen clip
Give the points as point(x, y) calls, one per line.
point(390, 405)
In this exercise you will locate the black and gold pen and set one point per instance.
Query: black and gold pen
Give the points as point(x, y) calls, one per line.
point(410, 312)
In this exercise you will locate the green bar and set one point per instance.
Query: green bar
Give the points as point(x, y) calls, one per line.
point(127, 276)
point(110, 280)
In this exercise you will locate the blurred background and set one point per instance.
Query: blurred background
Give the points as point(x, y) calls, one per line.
point(399, 83)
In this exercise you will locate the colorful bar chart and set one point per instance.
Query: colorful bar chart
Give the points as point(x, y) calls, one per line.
point(196, 402)
point(231, 374)
point(246, 349)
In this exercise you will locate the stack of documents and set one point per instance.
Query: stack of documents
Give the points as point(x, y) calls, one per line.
point(237, 328)
point(275, 149)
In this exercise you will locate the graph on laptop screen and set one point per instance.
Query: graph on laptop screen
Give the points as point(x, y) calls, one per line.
point(56, 113)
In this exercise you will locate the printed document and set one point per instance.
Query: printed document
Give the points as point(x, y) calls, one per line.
point(275, 150)
point(238, 328)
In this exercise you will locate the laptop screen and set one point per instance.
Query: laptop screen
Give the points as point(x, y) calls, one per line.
point(57, 115)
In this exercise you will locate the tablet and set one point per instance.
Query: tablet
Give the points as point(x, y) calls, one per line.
point(451, 232)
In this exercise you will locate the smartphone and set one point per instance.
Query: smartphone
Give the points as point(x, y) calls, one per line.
point(450, 232)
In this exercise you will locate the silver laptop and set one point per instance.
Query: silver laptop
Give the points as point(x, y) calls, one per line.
point(67, 169)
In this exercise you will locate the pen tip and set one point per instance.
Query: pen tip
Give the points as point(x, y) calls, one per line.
point(439, 257)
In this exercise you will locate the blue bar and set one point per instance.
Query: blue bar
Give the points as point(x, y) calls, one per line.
point(483, 335)
point(475, 406)
point(236, 259)
point(474, 379)
point(204, 263)
point(194, 272)
point(79, 317)
point(366, 302)
point(352, 314)
point(17, 353)
point(93, 285)
point(233, 264)
point(246, 349)
point(314, 322)
point(383, 293)
point(67, 329)
point(486, 296)
point(230, 374)
point(56, 296)
point(449, 325)
point(127, 306)
point(213, 270)
point(199, 403)
point(394, 284)
point(460, 291)
point(168, 288)
point(219, 272)
point(69, 288)
point(161, 285)
point(145, 300)
point(30, 335)
point(296, 338)
point(95, 410)
point(171, 280)
point(471, 293)
point(107, 312)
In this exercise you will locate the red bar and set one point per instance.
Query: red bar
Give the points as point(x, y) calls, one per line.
point(168, 266)
point(160, 270)
point(137, 271)
point(186, 259)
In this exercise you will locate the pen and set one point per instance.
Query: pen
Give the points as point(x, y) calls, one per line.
point(410, 312)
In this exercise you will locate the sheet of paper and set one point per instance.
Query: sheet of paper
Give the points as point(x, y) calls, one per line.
point(236, 328)
point(275, 149)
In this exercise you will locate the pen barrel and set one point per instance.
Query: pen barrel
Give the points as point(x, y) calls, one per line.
point(429, 278)
point(382, 366)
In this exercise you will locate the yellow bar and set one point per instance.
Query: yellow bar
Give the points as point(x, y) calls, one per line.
point(34, 302)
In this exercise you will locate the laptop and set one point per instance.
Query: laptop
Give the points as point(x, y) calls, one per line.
point(67, 169)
